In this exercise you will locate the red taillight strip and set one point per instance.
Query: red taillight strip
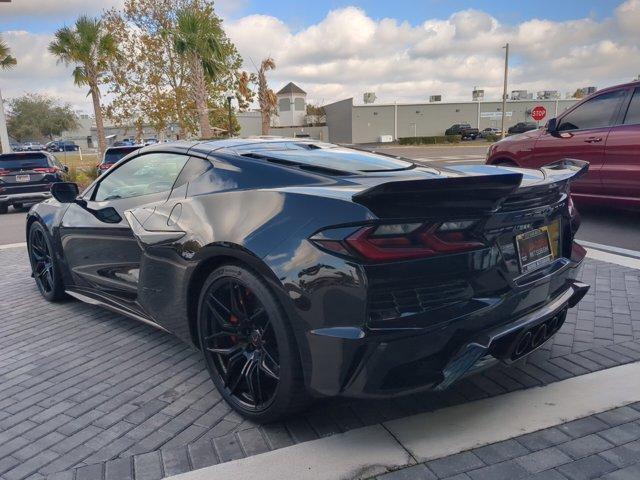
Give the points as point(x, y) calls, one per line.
point(46, 170)
point(425, 242)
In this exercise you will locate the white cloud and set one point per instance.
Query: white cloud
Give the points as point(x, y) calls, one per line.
point(38, 71)
point(348, 53)
point(44, 8)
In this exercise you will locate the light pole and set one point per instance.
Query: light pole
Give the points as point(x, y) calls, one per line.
point(504, 89)
point(4, 136)
point(229, 96)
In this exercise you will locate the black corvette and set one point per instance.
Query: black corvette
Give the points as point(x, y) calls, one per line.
point(303, 269)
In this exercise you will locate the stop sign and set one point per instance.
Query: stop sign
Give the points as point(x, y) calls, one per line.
point(538, 113)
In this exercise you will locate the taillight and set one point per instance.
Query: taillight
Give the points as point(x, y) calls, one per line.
point(404, 241)
point(104, 166)
point(4, 172)
point(46, 170)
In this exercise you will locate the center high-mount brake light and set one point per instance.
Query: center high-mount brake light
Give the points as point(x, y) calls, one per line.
point(404, 241)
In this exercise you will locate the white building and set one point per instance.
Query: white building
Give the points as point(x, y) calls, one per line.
point(292, 106)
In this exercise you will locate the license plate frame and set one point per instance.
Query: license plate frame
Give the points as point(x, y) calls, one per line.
point(534, 249)
point(24, 178)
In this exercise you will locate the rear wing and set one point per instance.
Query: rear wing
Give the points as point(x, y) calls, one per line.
point(464, 194)
point(566, 169)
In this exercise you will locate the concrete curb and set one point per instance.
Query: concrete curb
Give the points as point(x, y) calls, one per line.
point(369, 451)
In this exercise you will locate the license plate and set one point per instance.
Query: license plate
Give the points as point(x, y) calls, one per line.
point(534, 249)
point(23, 178)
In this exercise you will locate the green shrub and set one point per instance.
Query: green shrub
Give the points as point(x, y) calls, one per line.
point(429, 140)
point(83, 176)
point(491, 138)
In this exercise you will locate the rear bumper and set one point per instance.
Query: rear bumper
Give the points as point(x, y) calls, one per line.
point(31, 197)
point(365, 363)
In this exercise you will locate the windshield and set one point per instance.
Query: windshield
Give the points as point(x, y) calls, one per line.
point(23, 161)
point(116, 154)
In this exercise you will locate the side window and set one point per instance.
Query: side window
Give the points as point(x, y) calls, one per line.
point(598, 112)
point(299, 104)
point(633, 112)
point(143, 175)
point(192, 170)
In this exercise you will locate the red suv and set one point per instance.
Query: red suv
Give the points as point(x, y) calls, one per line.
point(603, 129)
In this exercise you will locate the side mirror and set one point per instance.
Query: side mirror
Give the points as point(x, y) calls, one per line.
point(65, 192)
point(552, 125)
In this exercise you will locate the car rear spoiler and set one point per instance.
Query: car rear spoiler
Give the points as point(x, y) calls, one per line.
point(466, 194)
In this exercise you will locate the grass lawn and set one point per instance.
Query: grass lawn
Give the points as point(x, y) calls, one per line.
point(74, 160)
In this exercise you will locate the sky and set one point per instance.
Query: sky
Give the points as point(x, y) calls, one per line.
point(402, 50)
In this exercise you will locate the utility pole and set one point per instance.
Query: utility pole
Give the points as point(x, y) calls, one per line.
point(504, 89)
point(230, 96)
point(4, 136)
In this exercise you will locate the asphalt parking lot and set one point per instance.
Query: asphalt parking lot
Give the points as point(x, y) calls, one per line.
point(88, 394)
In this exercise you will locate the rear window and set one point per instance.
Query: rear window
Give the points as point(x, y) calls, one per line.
point(339, 159)
point(116, 154)
point(12, 161)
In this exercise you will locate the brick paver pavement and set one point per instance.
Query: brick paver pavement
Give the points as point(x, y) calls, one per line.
point(88, 394)
point(605, 446)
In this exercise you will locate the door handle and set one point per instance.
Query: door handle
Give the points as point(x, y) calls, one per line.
point(593, 139)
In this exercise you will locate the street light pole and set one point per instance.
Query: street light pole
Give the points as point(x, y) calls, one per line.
point(4, 135)
point(504, 89)
point(230, 96)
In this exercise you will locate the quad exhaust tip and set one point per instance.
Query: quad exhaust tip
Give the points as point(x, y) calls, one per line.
point(536, 336)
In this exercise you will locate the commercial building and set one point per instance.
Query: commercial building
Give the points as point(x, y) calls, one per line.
point(370, 123)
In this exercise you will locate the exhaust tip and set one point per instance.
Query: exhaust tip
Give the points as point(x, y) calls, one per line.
point(523, 344)
point(539, 336)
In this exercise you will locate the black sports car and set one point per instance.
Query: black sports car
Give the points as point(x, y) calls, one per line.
point(303, 269)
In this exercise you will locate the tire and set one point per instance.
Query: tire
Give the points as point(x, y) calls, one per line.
point(44, 265)
point(506, 163)
point(4, 209)
point(249, 346)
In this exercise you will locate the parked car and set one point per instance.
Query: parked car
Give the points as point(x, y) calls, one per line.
point(603, 129)
point(489, 131)
point(522, 127)
point(62, 146)
point(112, 155)
point(26, 177)
point(464, 130)
point(299, 273)
point(32, 147)
point(150, 141)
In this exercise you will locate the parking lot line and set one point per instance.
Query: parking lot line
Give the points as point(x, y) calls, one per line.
point(610, 248)
point(622, 260)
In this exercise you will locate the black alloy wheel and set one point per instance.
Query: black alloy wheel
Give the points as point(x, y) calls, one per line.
point(248, 346)
point(43, 264)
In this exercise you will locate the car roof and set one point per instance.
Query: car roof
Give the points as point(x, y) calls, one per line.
point(302, 153)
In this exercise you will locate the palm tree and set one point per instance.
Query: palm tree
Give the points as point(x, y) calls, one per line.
point(267, 98)
point(196, 38)
point(90, 48)
point(6, 62)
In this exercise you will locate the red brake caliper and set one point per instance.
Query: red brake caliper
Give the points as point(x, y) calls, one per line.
point(233, 320)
